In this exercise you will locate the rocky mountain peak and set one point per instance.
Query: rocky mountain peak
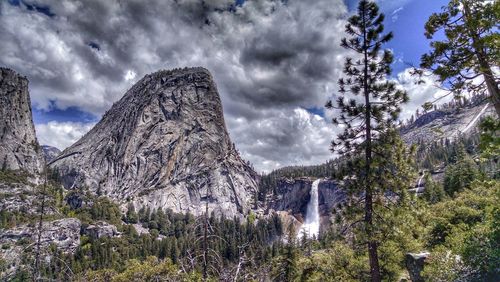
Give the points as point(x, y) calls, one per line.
point(163, 145)
point(50, 152)
point(19, 148)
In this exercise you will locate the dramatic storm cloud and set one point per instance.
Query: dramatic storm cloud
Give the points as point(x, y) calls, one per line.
point(276, 63)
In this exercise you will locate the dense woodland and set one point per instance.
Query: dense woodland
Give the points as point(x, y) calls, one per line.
point(456, 218)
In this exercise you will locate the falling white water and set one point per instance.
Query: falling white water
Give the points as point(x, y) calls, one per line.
point(420, 179)
point(310, 227)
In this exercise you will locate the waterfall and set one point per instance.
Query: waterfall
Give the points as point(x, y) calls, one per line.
point(420, 179)
point(311, 224)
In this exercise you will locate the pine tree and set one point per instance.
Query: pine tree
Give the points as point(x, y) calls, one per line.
point(366, 119)
point(286, 268)
point(461, 174)
point(471, 48)
point(433, 191)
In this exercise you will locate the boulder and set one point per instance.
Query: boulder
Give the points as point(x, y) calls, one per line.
point(415, 265)
point(101, 229)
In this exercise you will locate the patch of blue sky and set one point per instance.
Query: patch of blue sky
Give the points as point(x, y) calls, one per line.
point(44, 9)
point(316, 111)
point(71, 114)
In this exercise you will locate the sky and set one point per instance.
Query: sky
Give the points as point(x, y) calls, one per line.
point(275, 63)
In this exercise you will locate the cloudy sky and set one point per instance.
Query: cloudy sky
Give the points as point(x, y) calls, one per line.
point(275, 62)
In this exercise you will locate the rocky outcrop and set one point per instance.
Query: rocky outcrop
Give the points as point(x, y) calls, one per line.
point(19, 149)
point(101, 229)
point(415, 265)
point(50, 153)
point(18, 197)
point(63, 233)
point(163, 145)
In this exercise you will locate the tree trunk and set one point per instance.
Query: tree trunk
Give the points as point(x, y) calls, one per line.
point(482, 58)
point(491, 84)
point(205, 245)
point(372, 244)
point(37, 266)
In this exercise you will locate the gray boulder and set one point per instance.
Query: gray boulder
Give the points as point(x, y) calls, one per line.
point(415, 265)
point(101, 229)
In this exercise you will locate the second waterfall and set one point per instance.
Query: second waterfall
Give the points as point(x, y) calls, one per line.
point(310, 227)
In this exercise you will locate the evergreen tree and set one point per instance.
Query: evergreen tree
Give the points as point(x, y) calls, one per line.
point(461, 174)
point(286, 268)
point(471, 48)
point(131, 216)
point(366, 119)
point(433, 191)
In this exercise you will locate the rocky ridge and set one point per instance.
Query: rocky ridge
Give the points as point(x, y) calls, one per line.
point(19, 148)
point(163, 145)
point(50, 153)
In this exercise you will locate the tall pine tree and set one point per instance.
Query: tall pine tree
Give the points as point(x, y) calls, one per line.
point(368, 105)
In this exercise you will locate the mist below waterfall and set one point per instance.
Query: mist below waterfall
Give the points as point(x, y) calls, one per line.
point(310, 227)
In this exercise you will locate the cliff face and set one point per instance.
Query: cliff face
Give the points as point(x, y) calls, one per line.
point(163, 145)
point(19, 149)
point(293, 195)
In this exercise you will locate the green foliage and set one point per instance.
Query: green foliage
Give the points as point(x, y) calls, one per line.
point(151, 269)
point(460, 175)
point(131, 216)
point(444, 266)
point(338, 262)
point(470, 48)
point(490, 138)
point(13, 176)
point(98, 208)
point(433, 192)
point(10, 219)
point(285, 266)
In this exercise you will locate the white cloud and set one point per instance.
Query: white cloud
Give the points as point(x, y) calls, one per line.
point(395, 14)
point(420, 93)
point(61, 134)
point(269, 58)
point(284, 138)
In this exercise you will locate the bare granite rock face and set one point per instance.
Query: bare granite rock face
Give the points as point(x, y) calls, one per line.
point(163, 145)
point(446, 124)
point(19, 148)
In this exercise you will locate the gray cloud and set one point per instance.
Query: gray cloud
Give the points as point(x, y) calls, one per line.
point(271, 59)
point(61, 134)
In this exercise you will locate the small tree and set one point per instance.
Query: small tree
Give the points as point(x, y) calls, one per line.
point(471, 48)
point(367, 119)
